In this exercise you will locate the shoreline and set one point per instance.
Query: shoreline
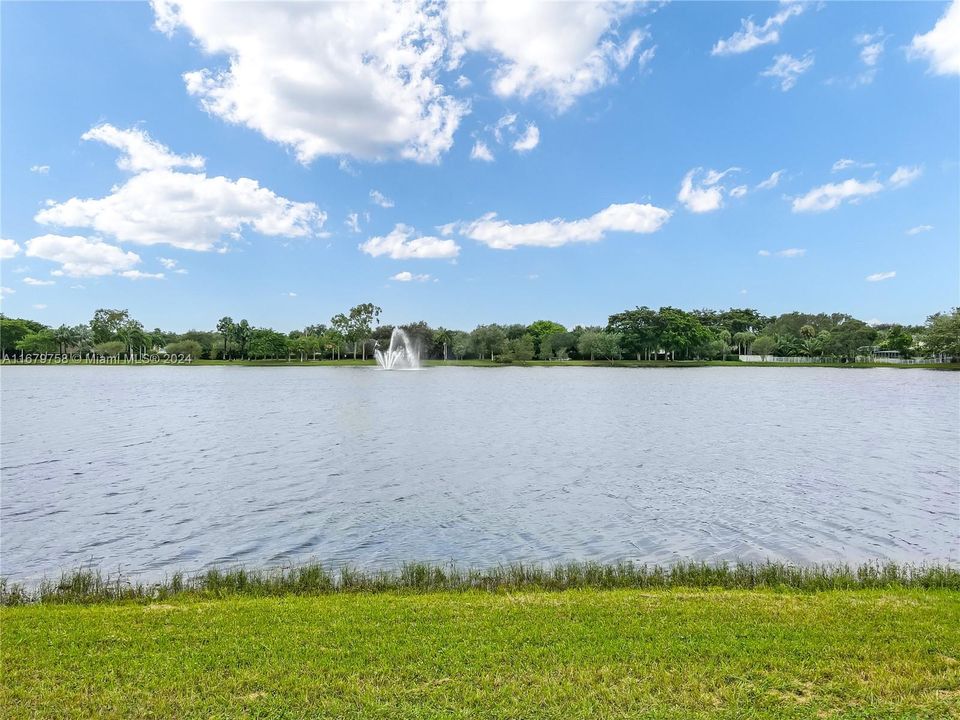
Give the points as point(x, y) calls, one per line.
point(87, 586)
point(481, 364)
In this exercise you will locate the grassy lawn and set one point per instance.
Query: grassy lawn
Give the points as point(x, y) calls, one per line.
point(582, 653)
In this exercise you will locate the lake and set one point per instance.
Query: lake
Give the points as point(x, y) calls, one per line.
point(147, 470)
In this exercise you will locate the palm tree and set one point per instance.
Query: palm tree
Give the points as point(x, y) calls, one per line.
point(225, 328)
point(64, 336)
point(743, 340)
point(82, 338)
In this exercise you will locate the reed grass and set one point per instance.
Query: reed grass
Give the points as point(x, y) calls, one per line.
point(91, 586)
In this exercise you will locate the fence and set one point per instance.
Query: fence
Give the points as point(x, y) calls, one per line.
point(861, 358)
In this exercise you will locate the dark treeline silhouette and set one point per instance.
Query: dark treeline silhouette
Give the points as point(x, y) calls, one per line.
point(667, 334)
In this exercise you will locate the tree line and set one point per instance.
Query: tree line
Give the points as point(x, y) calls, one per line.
point(641, 333)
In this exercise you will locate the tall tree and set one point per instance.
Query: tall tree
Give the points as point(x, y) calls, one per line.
point(638, 330)
point(362, 317)
point(107, 324)
point(241, 336)
point(225, 328)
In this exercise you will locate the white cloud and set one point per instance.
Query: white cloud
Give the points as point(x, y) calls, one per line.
point(185, 210)
point(345, 165)
point(137, 275)
point(409, 277)
point(703, 195)
point(356, 79)
point(529, 140)
point(941, 45)
point(772, 181)
point(871, 50)
point(40, 306)
point(139, 151)
point(505, 122)
point(787, 69)
point(463, 82)
point(4, 291)
point(35, 282)
point(8, 248)
point(503, 235)
point(847, 163)
point(904, 175)
point(40, 169)
point(168, 263)
point(750, 35)
point(353, 222)
point(480, 151)
point(832, 195)
point(181, 271)
point(378, 198)
point(739, 191)
point(919, 229)
point(400, 244)
point(877, 277)
point(80, 256)
point(787, 253)
point(290, 294)
point(560, 51)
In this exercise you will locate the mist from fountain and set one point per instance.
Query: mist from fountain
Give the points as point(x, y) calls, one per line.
point(401, 355)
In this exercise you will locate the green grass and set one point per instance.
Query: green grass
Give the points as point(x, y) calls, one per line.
point(674, 653)
point(91, 586)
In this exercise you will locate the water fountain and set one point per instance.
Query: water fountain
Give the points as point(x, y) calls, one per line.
point(401, 355)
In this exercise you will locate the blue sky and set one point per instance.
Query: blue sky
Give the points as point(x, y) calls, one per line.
point(282, 164)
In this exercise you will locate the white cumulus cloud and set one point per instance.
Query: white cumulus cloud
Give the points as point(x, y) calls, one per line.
point(919, 229)
point(557, 50)
point(326, 78)
point(941, 45)
point(79, 256)
point(904, 175)
point(751, 35)
point(700, 192)
point(35, 282)
point(877, 277)
point(832, 195)
point(504, 235)
point(8, 248)
point(378, 198)
point(786, 69)
point(402, 243)
point(139, 151)
point(40, 169)
point(529, 140)
point(187, 210)
point(481, 151)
